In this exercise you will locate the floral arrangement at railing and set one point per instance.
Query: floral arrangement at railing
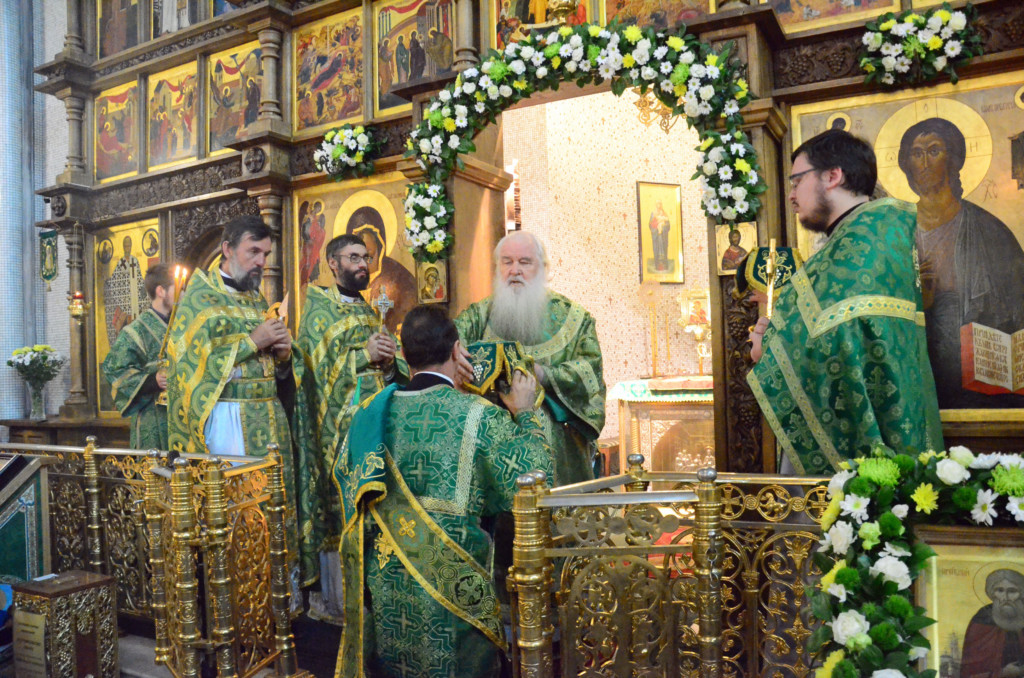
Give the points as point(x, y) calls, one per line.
point(684, 74)
point(911, 48)
point(37, 365)
point(871, 558)
point(348, 152)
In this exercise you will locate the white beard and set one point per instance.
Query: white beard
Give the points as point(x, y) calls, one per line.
point(518, 313)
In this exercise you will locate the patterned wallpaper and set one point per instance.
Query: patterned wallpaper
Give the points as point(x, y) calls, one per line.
point(579, 161)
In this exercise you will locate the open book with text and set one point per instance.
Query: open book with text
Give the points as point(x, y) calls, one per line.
point(991, 361)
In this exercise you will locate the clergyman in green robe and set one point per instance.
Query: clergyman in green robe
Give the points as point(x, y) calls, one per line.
point(843, 364)
point(562, 338)
point(231, 374)
point(132, 365)
point(348, 358)
point(426, 463)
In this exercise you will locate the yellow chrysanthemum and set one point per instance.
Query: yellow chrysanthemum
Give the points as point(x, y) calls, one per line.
point(564, 31)
point(944, 15)
point(426, 113)
point(679, 90)
point(925, 457)
point(711, 60)
point(869, 67)
point(633, 34)
point(556, 61)
point(887, 26)
point(628, 61)
point(480, 96)
point(408, 220)
point(39, 348)
point(934, 43)
point(916, 18)
point(675, 42)
point(359, 156)
point(358, 130)
point(519, 84)
point(594, 30)
point(826, 669)
point(449, 124)
point(408, 144)
point(742, 165)
point(706, 144)
point(832, 511)
point(434, 247)
point(926, 498)
point(829, 577)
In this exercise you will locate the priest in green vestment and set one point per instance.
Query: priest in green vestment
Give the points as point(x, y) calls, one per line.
point(231, 374)
point(132, 365)
point(348, 358)
point(843, 364)
point(562, 338)
point(426, 463)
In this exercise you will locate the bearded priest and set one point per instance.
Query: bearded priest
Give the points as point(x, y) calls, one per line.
point(562, 338)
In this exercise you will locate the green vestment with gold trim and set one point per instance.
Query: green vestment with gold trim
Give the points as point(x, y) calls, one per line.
point(845, 363)
point(573, 411)
point(213, 359)
point(130, 367)
point(426, 465)
point(338, 376)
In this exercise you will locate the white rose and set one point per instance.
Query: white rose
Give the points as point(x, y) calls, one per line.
point(542, 72)
point(961, 455)
point(841, 536)
point(940, 63)
point(505, 91)
point(575, 41)
point(986, 461)
point(492, 92)
point(888, 79)
point(686, 57)
point(951, 472)
point(698, 71)
point(363, 139)
point(935, 23)
point(570, 67)
point(445, 95)
point(848, 624)
point(648, 73)
point(887, 673)
point(518, 67)
point(729, 213)
point(469, 87)
point(958, 21)
point(430, 222)
point(838, 480)
point(918, 653)
point(453, 142)
point(706, 92)
point(425, 146)
point(710, 168)
point(461, 111)
point(717, 154)
point(892, 569)
point(839, 591)
point(900, 511)
point(527, 52)
point(889, 63)
point(925, 36)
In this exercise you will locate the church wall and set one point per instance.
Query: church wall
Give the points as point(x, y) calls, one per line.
point(579, 161)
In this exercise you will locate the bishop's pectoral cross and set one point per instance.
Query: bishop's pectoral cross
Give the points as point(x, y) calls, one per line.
point(383, 304)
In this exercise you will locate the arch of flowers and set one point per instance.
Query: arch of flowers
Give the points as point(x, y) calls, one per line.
point(683, 73)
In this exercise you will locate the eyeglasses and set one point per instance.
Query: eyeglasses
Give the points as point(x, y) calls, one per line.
point(355, 258)
point(794, 179)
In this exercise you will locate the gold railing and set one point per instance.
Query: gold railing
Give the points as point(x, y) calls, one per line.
point(706, 577)
point(219, 563)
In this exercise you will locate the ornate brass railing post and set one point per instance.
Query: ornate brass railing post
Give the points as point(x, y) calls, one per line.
point(184, 539)
point(707, 546)
point(93, 526)
point(531, 572)
point(222, 633)
point(280, 582)
point(636, 469)
point(154, 523)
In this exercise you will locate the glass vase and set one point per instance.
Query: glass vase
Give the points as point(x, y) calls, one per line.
point(38, 412)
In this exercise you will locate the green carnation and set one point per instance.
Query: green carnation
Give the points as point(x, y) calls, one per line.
point(898, 606)
point(872, 613)
point(680, 74)
point(884, 636)
point(593, 51)
point(436, 119)
point(862, 487)
point(869, 533)
point(1008, 481)
point(964, 497)
point(880, 470)
point(859, 642)
point(905, 462)
point(552, 49)
point(891, 525)
point(849, 578)
point(499, 69)
point(845, 669)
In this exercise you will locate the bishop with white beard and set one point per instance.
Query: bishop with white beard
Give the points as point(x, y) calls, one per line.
point(561, 336)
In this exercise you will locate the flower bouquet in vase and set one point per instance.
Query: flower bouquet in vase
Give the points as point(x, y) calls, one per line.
point(37, 365)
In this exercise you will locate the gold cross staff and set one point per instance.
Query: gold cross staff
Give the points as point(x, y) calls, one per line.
point(770, 273)
point(383, 305)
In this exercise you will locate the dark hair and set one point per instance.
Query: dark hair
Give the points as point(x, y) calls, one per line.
point(428, 336)
point(340, 242)
point(956, 150)
point(239, 227)
point(838, 148)
point(158, 275)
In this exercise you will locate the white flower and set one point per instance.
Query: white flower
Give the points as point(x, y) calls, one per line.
point(576, 42)
point(461, 121)
point(725, 190)
point(571, 66)
point(900, 30)
point(887, 673)
point(492, 92)
point(918, 653)
point(439, 235)
point(665, 68)
point(604, 35)
point(445, 96)
point(925, 36)
point(951, 472)
point(518, 67)
point(363, 139)
point(434, 190)
point(890, 549)
point(698, 71)
point(892, 569)
point(505, 91)
point(740, 193)
point(838, 480)
point(839, 591)
point(1015, 505)
point(738, 150)
point(453, 141)
point(984, 461)
point(953, 48)
point(641, 56)
point(946, 33)
point(934, 24)
point(752, 178)
point(709, 168)
point(527, 52)
point(686, 57)
point(469, 87)
point(900, 511)
point(939, 63)
point(903, 64)
point(446, 111)
point(660, 53)
point(732, 107)
point(414, 226)
point(889, 63)
point(441, 211)
point(717, 154)
point(873, 41)
point(537, 59)
point(725, 173)
point(485, 81)
point(585, 65)
point(470, 73)
point(1011, 460)
point(430, 222)
point(542, 72)
point(706, 92)
point(480, 107)
point(461, 110)
point(425, 146)
point(667, 86)
point(713, 72)
point(958, 21)
point(551, 38)
point(565, 50)
point(891, 49)
point(351, 143)
point(841, 535)
point(985, 507)
point(848, 624)
point(855, 507)
point(713, 208)
point(729, 213)
point(961, 455)
point(888, 79)
point(648, 73)
point(691, 108)
point(605, 70)
point(742, 206)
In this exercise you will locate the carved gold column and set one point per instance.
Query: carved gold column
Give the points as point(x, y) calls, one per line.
point(183, 542)
point(222, 632)
point(93, 526)
point(154, 523)
point(531, 575)
point(466, 55)
point(280, 582)
point(269, 32)
point(707, 546)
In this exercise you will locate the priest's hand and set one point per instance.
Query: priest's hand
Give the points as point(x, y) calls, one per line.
point(463, 368)
point(756, 337)
point(381, 348)
point(161, 379)
point(271, 334)
point(522, 395)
